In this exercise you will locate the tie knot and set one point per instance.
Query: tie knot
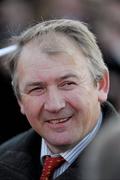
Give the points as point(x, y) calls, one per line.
point(50, 164)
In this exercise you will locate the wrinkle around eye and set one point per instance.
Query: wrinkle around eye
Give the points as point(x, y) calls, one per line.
point(68, 85)
point(37, 91)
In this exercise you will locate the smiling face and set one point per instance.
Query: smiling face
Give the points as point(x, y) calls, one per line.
point(58, 95)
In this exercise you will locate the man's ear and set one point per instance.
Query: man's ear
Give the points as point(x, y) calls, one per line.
point(21, 106)
point(18, 99)
point(103, 87)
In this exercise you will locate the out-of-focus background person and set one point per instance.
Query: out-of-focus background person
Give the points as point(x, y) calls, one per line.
point(102, 18)
point(104, 154)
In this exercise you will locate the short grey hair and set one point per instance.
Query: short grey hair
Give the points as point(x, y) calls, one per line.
point(73, 29)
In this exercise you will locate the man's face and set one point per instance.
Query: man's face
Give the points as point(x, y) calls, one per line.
point(58, 96)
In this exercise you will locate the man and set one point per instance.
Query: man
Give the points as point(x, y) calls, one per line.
point(61, 84)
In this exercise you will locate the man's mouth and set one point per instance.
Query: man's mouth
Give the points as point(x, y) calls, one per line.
point(59, 120)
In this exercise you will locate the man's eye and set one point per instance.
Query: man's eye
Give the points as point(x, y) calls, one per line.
point(36, 91)
point(68, 85)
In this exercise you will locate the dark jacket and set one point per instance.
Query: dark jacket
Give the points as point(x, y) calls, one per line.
point(20, 156)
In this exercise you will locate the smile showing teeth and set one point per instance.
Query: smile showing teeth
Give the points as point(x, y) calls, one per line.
point(56, 121)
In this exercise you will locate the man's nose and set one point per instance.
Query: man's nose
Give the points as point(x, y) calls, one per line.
point(54, 101)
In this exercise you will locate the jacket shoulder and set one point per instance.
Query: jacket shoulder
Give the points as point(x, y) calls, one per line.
point(19, 157)
point(17, 142)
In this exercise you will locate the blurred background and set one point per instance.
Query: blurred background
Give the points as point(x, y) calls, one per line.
point(102, 18)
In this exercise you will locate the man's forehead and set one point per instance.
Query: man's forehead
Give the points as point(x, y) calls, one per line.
point(55, 47)
point(53, 42)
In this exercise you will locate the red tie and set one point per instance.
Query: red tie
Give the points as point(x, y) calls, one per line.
point(50, 164)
